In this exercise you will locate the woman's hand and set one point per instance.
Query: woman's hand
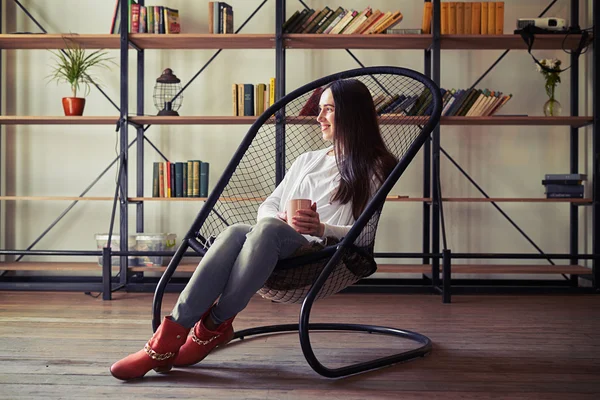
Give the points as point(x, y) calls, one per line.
point(307, 222)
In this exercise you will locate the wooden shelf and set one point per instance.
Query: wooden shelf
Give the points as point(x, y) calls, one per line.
point(52, 266)
point(202, 41)
point(57, 41)
point(56, 120)
point(507, 42)
point(576, 122)
point(56, 198)
point(193, 120)
point(321, 41)
point(386, 120)
point(488, 269)
point(291, 41)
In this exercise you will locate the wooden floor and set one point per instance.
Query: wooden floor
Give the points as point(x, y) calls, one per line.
point(60, 345)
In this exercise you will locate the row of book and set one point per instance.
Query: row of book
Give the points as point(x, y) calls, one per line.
point(466, 103)
point(341, 21)
point(564, 186)
point(467, 18)
point(473, 102)
point(220, 17)
point(180, 179)
point(147, 19)
point(252, 100)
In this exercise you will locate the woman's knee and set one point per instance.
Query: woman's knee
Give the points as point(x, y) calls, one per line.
point(270, 226)
point(235, 231)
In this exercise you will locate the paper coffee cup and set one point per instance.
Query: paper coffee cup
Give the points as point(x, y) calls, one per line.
point(295, 205)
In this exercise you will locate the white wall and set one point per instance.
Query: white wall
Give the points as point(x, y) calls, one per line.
point(63, 160)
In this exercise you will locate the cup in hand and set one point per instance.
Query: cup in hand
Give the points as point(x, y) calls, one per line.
point(295, 205)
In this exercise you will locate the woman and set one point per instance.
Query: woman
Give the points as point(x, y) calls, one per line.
point(339, 180)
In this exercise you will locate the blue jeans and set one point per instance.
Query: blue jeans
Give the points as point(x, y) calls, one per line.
point(235, 267)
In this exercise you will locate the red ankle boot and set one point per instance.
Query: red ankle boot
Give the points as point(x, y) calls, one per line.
point(158, 354)
point(202, 341)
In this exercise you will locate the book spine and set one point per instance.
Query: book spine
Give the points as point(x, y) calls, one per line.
point(204, 167)
point(178, 179)
point(196, 178)
point(190, 178)
point(161, 179)
point(234, 90)
point(484, 17)
point(248, 99)
point(491, 18)
point(499, 18)
point(271, 91)
point(172, 180)
point(184, 168)
point(427, 14)
point(572, 189)
point(155, 174)
point(135, 18)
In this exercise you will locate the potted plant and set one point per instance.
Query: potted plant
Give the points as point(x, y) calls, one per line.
point(73, 66)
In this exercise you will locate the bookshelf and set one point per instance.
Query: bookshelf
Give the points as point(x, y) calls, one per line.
point(428, 44)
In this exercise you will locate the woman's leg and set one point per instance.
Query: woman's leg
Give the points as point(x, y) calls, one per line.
point(211, 276)
point(268, 242)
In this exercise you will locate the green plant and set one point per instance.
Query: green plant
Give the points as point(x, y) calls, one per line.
point(73, 66)
point(551, 74)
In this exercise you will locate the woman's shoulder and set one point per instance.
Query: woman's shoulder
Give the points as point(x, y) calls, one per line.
point(312, 155)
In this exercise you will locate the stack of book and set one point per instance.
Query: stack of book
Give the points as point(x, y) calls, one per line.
point(341, 21)
point(252, 100)
point(220, 17)
point(147, 19)
point(180, 179)
point(564, 186)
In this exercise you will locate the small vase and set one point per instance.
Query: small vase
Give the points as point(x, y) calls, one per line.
point(552, 108)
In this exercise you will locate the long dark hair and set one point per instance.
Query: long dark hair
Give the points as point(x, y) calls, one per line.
point(360, 151)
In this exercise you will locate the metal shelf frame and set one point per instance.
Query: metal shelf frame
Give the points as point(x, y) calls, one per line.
point(432, 212)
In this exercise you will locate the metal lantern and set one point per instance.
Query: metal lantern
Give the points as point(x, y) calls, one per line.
point(166, 88)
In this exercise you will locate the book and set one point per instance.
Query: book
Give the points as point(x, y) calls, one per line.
point(427, 16)
point(452, 18)
point(311, 108)
point(562, 181)
point(571, 189)
point(499, 18)
point(468, 18)
point(134, 17)
point(234, 99)
point(248, 100)
point(196, 178)
point(190, 178)
point(578, 177)
point(178, 179)
point(172, 24)
point(484, 17)
point(403, 31)
point(460, 18)
point(203, 190)
point(476, 18)
point(491, 18)
point(155, 177)
point(444, 19)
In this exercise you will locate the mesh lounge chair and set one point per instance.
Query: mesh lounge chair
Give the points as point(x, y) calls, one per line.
point(409, 107)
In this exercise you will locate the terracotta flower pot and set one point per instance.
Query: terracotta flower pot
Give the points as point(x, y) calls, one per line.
point(73, 105)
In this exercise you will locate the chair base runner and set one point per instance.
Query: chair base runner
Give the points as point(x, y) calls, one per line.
point(421, 351)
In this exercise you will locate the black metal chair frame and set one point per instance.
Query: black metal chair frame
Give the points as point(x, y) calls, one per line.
point(304, 327)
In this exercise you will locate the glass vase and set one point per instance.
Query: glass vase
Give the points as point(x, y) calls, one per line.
point(552, 108)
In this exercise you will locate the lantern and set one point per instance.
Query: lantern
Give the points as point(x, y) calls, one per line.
point(166, 88)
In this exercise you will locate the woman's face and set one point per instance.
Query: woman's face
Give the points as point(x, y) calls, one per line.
point(326, 115)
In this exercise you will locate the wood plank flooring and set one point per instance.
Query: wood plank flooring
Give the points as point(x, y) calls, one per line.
point(60, 345)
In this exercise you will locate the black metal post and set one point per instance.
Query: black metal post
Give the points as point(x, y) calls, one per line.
point(596, 154)
point(139, 207)
point(446, 275)
point(574, 145)
point(123, 148)
point(106, 273)
point(427, 174)
point(279, 91)
point(435, 156)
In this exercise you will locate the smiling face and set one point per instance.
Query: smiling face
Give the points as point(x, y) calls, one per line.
point(327, 115)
